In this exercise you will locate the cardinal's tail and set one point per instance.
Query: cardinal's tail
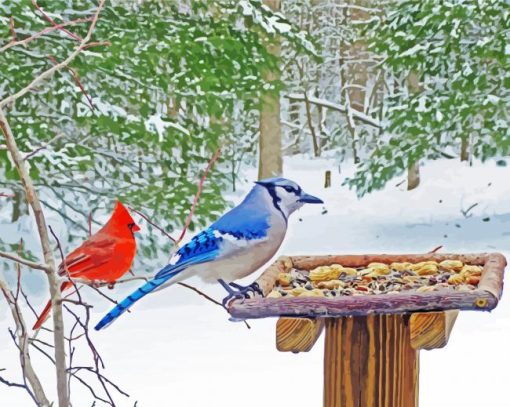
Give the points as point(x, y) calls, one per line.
point(127, 302)
point(46, 311)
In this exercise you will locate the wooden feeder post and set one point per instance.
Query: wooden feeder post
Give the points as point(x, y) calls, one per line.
point(370, 361)
point(372, 343)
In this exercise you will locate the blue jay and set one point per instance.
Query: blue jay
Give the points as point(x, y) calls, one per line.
point(233, 247)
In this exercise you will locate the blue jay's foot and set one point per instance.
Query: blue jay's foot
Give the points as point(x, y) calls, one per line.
point(253, 288)
point(240, 292)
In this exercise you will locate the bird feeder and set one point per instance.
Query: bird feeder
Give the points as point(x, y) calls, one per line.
point(378, 313)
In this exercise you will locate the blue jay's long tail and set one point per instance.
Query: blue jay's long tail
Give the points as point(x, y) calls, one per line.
point(127, 302)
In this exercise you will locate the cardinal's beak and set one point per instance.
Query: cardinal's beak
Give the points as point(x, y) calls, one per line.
point(136, 228)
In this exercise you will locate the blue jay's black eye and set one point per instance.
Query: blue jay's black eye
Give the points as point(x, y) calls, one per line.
point(288, 189)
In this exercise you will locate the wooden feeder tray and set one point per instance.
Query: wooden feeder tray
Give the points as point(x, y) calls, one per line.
point(484, 298)
point(373, 341)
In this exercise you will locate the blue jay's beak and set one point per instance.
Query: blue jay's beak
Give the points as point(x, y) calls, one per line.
point(306, 198)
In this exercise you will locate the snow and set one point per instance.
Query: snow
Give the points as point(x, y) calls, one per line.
point(335, 106)
point(176, 349)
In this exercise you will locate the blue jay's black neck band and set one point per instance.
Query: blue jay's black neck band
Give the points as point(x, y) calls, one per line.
point(276, 199)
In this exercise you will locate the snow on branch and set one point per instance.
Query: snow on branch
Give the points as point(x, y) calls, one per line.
point(335, 106)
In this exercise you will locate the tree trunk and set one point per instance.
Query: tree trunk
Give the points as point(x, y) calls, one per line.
point(413, 170)
point(270, 140)
point(413, 175)
point(464, 149)
point(316, 147)
point(357, 71)
point(327, 179)
point(354, 75)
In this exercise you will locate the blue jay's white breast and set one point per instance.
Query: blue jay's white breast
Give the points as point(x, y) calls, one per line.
point(239, 258)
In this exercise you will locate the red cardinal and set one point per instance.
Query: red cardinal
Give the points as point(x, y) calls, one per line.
point(105, 256)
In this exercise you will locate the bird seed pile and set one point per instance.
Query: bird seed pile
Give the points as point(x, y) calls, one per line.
point(377, 278)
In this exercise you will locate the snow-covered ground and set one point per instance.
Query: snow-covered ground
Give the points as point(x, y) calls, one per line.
point(175, 349)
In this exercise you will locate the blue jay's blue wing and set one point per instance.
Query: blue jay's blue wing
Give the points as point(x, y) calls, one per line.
point(247, 221)
point(202, 248)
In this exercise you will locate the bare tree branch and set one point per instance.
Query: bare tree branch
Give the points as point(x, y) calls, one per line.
point(23, 261)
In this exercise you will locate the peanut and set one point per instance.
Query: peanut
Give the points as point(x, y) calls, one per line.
point(451, 265)
point(324, 273)
point(297, 291)
point(274, 294)
point(379, 268)
point(349, 271)
point(456, 279)
point(468, 270)
point(284, 279)
point(400, 266)
point(473, 280)
point(427, 270)
point(421, 264)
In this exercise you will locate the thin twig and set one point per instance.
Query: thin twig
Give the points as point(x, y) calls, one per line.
point(466, 212)
point(44, 146)
point(153, 224)
point(12, 384)
point(207, 297)
point(18, 272)
point(197, 195)
point(200, 293)
point(76, 79)
point(53, 23)
point(97, 44)
point(90, 223)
